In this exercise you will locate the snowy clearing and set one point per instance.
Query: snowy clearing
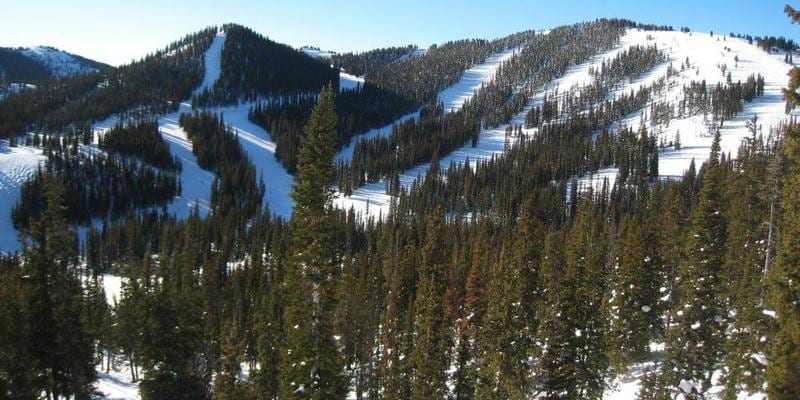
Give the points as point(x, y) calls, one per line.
point(707, 55)
point(372, 200)
point(17, 164)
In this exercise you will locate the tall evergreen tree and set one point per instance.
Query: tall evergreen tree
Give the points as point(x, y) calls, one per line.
point(696, 337)
point(313, 366)
point(635, 312)
point(431, 333)
point(62, 352)
point(574, 360)
point(784, 356)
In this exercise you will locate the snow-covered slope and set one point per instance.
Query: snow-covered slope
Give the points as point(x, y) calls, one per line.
point(317, 53)
point(706, 55)
point(17, 164)
point(452, 97)
point(196, 182)
point(60, 62)
point(349, 82)
point(260, 147)
point(371, 199)
point(42, 62)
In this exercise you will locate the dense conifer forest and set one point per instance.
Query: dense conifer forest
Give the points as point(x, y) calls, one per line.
point(505, 278)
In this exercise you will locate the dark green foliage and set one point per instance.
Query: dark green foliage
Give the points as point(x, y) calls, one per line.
point(574, 360)
point(431, 336)
point(254, 66)
point(784, 277)
point(99, 185)
point(172, 339)
point(312, 366)
point(217, 148)
point(359, 64)
point(696, 338)
point(156, 83)
point(140, 139)
point(634, 305)
point(358, 111)
point(16, 67)
point(60, 352)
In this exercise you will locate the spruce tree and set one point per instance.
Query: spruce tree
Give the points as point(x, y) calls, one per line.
point(312, 366)
point(268, 343)
point(784, 277)
point(62, 352)
point(431, 334)
point(227, 385)
point(635, 312)
point(696, 337)
point(503, 342)
point(744, 262)
point(16, 375)
point(574, 360)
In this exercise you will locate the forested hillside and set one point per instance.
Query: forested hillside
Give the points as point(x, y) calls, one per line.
point(602, 210)
point(42, 62)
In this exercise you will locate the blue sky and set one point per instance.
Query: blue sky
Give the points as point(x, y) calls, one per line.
point(118, 31)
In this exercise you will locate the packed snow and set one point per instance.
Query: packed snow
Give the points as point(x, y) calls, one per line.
point(17, 164)
point(349, 82)
point(454, 97)
point(260, 147)
point(112, 285)
point(59, 62)
point(707, 55)
point(317, 53)
point(372, 200)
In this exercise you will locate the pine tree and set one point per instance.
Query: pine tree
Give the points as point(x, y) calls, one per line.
point(574, 360)
point(635, 312)
point(172, 344)
point(313, 366)
point(62, 348)
point(744, 260)
point(694, 341)
point(466, 353)
point(268, 344)
point(17, 378)
point(227, 385)
point(784, 277)
point(503, 343)
point(431, 334)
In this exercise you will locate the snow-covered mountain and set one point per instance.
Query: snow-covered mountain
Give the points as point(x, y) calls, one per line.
point(706, 55)
point(689, 56)
point(42, 62)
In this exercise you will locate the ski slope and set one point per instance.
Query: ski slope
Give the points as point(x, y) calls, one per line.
point(371, 200)
point(706, 55)
point(452, 98)
point(17, 164)
point(60, 63)
point(260, 148)
point(195, 181)
point(349, 82)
